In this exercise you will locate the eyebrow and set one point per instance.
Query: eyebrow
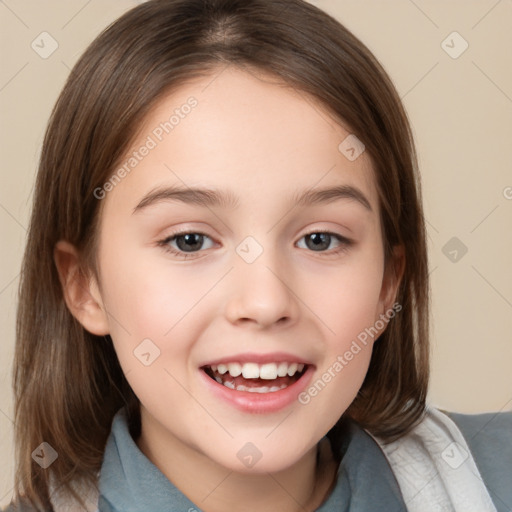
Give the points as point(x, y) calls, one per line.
point(227, 199)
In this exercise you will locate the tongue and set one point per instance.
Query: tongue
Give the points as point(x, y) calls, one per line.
point(256, 383)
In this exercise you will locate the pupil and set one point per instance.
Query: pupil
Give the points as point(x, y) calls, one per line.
point(189, 238)
point(316, 238)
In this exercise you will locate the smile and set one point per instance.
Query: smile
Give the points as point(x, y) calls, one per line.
point(256, 378)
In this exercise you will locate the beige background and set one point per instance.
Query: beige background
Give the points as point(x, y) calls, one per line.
point(461, 112)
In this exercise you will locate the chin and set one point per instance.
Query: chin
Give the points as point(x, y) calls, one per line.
point(260, 456)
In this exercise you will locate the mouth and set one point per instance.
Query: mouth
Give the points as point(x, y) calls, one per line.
point(257, 383)
point(252, 377)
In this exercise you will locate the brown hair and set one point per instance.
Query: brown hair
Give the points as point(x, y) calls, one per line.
point(68, 383)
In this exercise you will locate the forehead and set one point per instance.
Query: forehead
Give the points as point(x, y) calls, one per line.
point(245, 132)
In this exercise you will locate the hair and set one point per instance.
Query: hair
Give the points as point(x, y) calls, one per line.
point(67, 382)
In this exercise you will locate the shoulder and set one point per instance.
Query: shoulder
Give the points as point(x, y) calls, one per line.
point(493, 425)
point(489, 438)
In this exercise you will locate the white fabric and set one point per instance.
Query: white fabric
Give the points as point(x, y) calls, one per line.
point(435, 469)
point(62, 502)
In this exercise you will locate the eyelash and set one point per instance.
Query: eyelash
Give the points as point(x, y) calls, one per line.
point(345, 243)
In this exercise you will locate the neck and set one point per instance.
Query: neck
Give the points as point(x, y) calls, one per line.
point(214, 488)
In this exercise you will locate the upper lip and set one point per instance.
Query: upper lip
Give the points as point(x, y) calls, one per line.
point(252, 357)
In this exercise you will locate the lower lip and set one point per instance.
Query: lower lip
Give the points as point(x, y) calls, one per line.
point(259, 402)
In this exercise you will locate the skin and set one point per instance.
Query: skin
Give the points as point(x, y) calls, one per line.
point(264, 142)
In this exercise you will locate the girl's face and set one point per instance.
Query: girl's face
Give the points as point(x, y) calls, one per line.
point(245, 286)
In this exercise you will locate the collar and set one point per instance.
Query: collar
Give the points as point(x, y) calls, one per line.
point(130, 482)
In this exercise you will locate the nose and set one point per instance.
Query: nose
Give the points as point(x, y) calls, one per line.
point(261, 293)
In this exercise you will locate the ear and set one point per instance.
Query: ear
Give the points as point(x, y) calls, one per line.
point(393, 274)
point(81, 292)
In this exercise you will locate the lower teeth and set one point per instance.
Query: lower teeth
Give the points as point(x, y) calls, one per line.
point(241, 387)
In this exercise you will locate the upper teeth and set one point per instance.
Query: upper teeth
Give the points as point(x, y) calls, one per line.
point(262, 371)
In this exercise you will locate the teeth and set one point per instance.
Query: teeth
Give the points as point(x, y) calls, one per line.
point(267, 371)
point(235, 369)
point(260, 389)
point(282, 370)
point(250, 371)
point(292, 369)
point(222, 369)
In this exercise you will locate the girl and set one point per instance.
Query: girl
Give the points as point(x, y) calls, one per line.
point(224, 301)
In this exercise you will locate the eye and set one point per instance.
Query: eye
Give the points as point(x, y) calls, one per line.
point(318, 241)
point(186, 242)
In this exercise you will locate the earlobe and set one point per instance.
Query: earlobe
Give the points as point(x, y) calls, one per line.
point(80, 291)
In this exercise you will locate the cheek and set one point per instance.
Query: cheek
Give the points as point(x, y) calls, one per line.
point(347, 299)
point(348, 345)
point(152, 328)
point(349, 309)
point(151, 298)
